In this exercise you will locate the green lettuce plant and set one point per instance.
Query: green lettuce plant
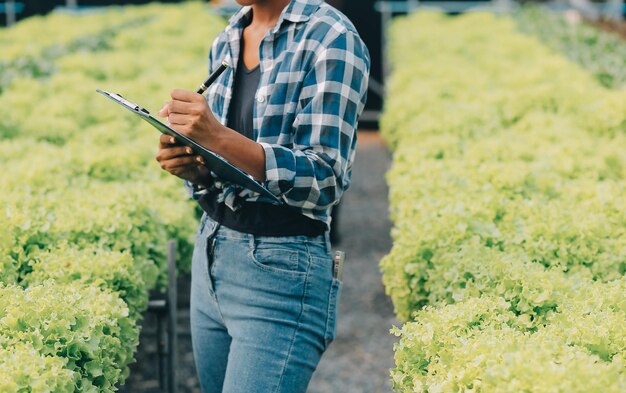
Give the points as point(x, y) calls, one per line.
point(89, 328)
point(507, 195)
point(86, 212)
point(602, 53)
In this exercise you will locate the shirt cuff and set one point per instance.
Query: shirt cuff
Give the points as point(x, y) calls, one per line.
point(280, 169)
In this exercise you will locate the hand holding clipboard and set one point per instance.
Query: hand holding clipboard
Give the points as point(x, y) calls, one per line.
point(218, 165)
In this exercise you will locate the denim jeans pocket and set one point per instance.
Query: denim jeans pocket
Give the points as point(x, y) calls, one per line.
point(333, 306)
point(287, 258)
point(280, 256)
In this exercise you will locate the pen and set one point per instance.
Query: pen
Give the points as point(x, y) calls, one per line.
point(213, 77)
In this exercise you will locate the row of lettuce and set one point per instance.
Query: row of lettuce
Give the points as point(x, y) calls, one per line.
point(86, 211)
point(508, 197)
point(603, 54)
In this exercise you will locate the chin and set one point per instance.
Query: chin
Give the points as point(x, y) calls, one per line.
point(247, 2)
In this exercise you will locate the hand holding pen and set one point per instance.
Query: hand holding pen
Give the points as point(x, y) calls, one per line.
point(189, 114)
point(204, 86)
point(166, 111)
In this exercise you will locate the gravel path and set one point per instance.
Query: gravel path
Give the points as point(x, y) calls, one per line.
point(360, 357)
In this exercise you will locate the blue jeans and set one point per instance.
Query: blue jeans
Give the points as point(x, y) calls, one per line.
point(263, 309)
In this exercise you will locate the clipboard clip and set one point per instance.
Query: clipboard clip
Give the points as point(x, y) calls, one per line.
point(124, 101)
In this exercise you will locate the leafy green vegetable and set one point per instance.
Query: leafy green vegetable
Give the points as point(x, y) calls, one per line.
point(89, 328)
point(602, 53)
point(507, 195)
point(86, 211)
point(25, 370)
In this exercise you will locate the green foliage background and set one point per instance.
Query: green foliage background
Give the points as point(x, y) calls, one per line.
point(86, 211)
point(507, 195)
point(508, 199)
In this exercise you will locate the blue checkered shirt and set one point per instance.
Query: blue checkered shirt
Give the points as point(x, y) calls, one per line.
point(313, 87)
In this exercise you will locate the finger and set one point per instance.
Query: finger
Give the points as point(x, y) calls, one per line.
point(173, 152)
point(178, 162)
point(178, 119)
point(179, 171)
point(182, 162)
point(165, 111)
point(184, 107)
point(183, 169)
point(167, 141)
point(196, 160)
point(186, 95)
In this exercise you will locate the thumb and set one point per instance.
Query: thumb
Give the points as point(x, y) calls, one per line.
point(165, 111)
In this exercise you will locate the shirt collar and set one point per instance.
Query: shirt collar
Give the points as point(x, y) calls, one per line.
point(296, 11)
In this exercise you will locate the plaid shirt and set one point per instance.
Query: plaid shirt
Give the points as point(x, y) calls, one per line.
point(313, 87)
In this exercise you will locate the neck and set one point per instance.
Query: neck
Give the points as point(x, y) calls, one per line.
point(267, 12)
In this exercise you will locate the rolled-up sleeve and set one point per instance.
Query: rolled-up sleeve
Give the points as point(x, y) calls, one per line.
point(314, 173)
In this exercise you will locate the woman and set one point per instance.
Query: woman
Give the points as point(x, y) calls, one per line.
point(264, 299)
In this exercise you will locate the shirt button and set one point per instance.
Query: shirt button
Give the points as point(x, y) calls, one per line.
point(260, 98)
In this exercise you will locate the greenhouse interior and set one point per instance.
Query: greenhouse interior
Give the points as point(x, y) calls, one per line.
point(480, 244)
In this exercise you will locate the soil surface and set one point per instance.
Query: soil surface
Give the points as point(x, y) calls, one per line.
point(360, 357)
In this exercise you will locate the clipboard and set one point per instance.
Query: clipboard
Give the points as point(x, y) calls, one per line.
point(218, 165)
